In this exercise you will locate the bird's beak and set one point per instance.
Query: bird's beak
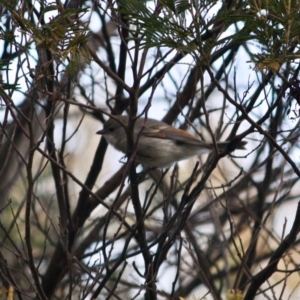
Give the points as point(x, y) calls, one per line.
point(102, 131)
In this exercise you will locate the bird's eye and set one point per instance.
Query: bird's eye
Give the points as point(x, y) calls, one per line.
point(111, 129)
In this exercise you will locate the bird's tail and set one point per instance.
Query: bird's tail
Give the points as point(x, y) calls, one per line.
point(232, 145)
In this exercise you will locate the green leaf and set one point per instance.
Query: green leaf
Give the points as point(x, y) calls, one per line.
point(4, 66)
point(182, 6)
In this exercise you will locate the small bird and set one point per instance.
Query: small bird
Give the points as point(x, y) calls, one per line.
point(159, 144)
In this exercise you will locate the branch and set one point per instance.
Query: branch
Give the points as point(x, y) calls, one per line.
point(271, 268)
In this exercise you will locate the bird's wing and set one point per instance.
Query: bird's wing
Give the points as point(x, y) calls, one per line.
point(171, 133)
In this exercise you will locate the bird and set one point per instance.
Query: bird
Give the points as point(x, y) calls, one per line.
point(159, 145)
